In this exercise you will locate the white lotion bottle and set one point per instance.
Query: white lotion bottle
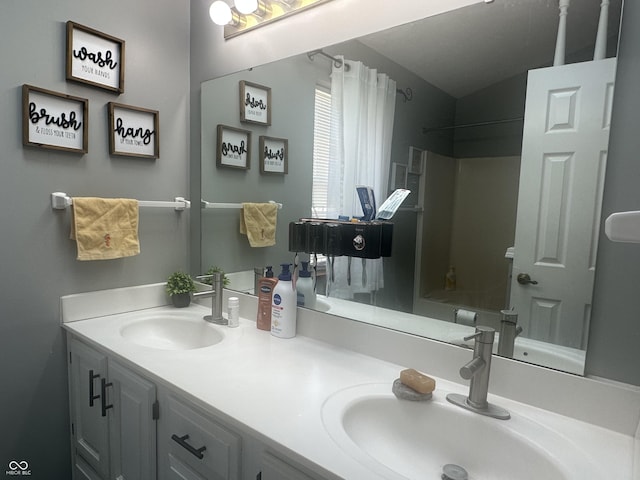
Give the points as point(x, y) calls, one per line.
point(283, 306)
point(304, 288)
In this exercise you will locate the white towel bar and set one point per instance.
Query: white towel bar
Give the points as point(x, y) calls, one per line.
point(60, 201)
point(206, 204)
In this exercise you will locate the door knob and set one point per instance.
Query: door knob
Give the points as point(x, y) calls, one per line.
point(525, 279)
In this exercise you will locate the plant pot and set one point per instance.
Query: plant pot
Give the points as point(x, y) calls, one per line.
point(181, 300)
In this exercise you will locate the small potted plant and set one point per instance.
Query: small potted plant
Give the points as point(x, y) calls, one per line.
point(216, 269)
point(180, 286)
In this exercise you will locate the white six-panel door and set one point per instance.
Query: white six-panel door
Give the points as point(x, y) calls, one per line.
point(564, 153)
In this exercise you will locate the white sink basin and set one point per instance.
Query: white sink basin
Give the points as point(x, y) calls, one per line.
point(172, 331)
point(400, 439)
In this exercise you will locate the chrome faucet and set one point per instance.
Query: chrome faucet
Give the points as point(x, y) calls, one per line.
point(509, 330)
point(477, 370)
point(216, 298)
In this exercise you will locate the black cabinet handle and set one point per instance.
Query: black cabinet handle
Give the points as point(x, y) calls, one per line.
point(92, 397)
point(103, 390)
point(182, 441)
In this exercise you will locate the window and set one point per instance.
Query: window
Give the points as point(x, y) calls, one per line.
point(321, 138)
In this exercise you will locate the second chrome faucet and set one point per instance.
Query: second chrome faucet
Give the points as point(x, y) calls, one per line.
point(477, 371)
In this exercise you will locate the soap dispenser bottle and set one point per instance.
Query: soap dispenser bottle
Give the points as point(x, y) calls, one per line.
point(283, 306)
point(266, 285)
point(304, 287)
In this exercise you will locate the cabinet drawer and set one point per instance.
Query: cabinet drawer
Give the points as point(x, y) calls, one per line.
point(83, 471)
point(275, 469)
point(201, 443)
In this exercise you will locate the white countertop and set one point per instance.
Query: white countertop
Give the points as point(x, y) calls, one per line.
point(276, 388)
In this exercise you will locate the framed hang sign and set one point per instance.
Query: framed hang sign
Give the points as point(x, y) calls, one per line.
point(95, 58)
point(274, 155)
point(233, 147)
point(255, 103)
point(54, 120)
point(133, 131)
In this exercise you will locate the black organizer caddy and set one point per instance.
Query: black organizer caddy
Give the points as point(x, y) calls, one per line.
point(341, 238)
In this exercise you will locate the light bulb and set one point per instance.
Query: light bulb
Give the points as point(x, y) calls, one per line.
point(246, 6)
point(220, 12)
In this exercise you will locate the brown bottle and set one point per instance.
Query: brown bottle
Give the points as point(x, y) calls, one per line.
point(265, 292)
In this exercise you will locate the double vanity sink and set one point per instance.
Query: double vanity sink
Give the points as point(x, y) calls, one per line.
point(335, 410)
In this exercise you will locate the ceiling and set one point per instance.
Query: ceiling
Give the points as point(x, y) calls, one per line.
point(470, 48)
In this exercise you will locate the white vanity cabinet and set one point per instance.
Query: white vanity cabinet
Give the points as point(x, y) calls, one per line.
point(273, 468)
point(192, 445)
point(113, 418)
point(195, 445)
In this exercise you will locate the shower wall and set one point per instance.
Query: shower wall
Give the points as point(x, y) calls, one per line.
point(468, 223)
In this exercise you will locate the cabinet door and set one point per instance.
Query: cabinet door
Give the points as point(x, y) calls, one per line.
point(275, 469)
point(196, 446)
point(87, 368)
point(82, 470)
point(132, 426)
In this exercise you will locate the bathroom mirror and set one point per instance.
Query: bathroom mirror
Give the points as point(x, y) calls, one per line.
point(467, 67)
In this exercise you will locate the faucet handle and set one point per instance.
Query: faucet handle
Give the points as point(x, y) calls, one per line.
point(482, 335)
point(510, 316)
point(469, 337)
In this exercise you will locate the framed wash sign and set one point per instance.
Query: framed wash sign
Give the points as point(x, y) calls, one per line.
point(273, 155)
point(133, 131)
point(233, 147)
point(54, 120)
point(95, 58)
point(255, 103)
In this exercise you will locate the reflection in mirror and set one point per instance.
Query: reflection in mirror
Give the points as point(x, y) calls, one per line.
point(492, 199)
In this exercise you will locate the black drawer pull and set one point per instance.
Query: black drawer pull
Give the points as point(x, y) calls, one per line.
point(92, 397)
point(103, 389)
point(182, 441)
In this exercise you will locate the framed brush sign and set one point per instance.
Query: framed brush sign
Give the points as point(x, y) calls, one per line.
point(233, 147)
point(255, 103)
point(54, 120)
point(133, 131)
point(274, 155)
point(95, 58)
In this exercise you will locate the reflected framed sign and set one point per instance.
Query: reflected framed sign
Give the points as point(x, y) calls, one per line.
point(255, 103)
point(233, 147)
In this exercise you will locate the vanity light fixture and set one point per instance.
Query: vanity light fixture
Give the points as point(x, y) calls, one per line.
point(246, 15)
point(246, 7)
point(221, 14)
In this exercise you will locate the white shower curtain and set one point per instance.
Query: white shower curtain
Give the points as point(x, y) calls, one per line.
point(362, 112)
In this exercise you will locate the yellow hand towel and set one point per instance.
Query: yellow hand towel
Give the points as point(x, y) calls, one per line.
point(105, 228)
point(258, 223)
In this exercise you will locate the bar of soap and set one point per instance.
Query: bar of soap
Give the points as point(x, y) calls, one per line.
point(416, 380)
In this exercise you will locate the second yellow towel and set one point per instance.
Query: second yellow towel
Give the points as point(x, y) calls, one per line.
point(258, 223)
point(105, 228)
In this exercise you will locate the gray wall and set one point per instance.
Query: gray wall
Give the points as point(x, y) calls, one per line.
point(503, 100)
point(37, 258)
point(614, 336)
